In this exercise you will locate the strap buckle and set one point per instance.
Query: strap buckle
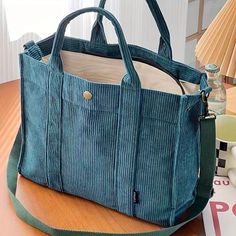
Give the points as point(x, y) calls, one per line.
point(205, 96)
point(207, 115)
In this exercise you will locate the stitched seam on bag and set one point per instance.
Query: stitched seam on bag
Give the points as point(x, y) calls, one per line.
point(22, 153)
point(174, 193)
point(157, 119)
point(121, 122)
point(61, 133)
point(92, 109)
point(175, 188)
point(136, 150)
point(130, 211)
point(134, 163)
point(118, 152)
point(47, 124)
point(51, 182)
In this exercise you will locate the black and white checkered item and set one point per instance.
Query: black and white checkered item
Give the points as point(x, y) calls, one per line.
point(221, 161)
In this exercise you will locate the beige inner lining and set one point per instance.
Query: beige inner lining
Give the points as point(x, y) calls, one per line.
point(111, 71)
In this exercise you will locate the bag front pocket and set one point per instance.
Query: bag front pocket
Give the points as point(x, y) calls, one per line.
point(88, 153)
point(154, 170)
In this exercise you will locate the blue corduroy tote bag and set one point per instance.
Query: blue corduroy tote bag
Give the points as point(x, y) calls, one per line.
point(145, 151)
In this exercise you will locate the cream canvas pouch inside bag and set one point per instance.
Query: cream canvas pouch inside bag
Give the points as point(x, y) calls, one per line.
point(107, 70)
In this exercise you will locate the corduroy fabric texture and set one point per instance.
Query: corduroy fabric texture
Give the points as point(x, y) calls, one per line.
point(128, 148)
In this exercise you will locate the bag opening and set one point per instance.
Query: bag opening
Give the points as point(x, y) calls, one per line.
point(104, 70)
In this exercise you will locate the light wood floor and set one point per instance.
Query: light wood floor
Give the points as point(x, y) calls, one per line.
point(55, 208)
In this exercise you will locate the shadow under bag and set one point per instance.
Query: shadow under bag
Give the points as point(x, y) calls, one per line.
point(116, 124)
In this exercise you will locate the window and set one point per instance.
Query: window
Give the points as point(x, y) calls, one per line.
point(200, 15)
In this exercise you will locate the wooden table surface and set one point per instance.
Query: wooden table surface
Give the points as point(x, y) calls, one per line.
point(54, 208)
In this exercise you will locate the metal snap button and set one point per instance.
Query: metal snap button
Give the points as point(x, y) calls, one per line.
point(87, 95)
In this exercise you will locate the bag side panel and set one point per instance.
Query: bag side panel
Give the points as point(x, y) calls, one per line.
point(34, 119)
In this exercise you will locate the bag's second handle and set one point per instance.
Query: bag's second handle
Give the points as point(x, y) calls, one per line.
point(165, 50)
point(55, 60)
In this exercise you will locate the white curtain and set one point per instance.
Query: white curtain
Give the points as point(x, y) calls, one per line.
point(24, 20)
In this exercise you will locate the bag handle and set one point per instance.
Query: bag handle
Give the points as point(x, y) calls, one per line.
point(55, 60)
point(164, 50)
point(204, 190)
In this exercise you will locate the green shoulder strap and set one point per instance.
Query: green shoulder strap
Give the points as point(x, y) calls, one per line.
point(204, 191)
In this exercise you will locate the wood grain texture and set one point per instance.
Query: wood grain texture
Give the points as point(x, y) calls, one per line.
point(55, 208)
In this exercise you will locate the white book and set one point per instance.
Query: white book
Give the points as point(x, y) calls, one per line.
point(219, 216)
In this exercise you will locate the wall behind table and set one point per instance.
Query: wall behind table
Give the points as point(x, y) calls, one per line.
point(136, 20)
